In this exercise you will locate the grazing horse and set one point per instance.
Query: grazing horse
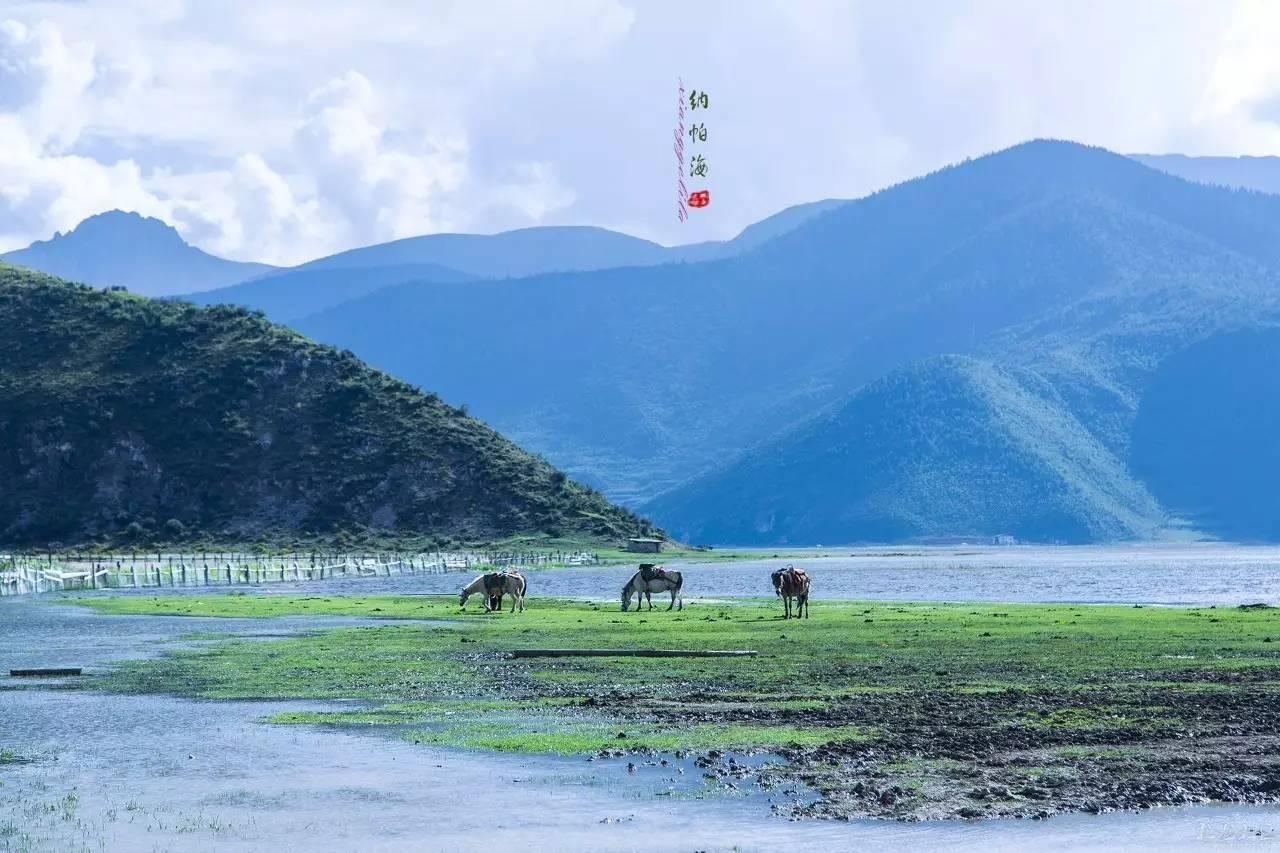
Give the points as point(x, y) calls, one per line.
point(493, 586)
point(792, 583)
point(651, 579)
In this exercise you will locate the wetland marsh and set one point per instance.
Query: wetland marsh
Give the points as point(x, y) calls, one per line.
point(237, 720)
point(886, 709)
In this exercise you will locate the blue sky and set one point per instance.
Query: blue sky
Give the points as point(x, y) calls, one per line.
point(280, 131)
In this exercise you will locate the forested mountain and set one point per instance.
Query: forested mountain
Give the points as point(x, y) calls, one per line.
point(998, 347)
point(127, 250)
point(130, 420)
point(1066, 273)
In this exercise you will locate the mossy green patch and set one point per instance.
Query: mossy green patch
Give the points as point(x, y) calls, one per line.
point(855, 670)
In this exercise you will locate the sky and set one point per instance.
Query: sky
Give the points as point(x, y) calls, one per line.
point(284, 131)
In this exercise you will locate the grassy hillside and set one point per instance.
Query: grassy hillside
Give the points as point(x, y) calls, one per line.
point(950, 447)
point(124, 419)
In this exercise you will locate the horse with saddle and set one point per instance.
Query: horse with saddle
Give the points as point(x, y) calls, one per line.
point(650, 579)
point(495, 585)
point(792, 583)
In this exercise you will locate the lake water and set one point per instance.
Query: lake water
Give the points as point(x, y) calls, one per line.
point(1183, 574)
point(145, 773)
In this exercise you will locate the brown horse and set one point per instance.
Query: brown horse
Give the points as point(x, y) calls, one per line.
point(792, 583)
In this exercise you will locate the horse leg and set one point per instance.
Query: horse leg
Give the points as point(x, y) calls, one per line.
point(673, 600)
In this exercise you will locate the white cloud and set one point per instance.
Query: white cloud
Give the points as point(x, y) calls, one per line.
point(251, 148)
point(385, 187)
point(282, 130)
point(41, 193)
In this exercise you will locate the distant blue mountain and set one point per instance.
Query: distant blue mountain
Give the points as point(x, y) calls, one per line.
point(783, 222)
point(292, 294)
point(527, 251)
point(548, 249)
point(140, 253)
point(1205, 435)
point(1249, 173)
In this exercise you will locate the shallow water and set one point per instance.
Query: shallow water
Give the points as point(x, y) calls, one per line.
point(151, 773)
point(1184, 574)
point(165, 774)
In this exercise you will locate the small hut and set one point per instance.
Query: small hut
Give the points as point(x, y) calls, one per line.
point(641, 545)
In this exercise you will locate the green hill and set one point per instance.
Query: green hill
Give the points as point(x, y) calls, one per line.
point(950, 447)
point(124, 419)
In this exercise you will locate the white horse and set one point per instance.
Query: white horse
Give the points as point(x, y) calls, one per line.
point(643, 590)
point(510, 583)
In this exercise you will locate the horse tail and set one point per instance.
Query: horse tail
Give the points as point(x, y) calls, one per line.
point(679, 580)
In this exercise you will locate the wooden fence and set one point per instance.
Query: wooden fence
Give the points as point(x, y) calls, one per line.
point(25, 574)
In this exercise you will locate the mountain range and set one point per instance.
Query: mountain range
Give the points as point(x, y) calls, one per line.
point(1006, 346)
point(289, 295)
point(126, 420)
point(143, 254)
